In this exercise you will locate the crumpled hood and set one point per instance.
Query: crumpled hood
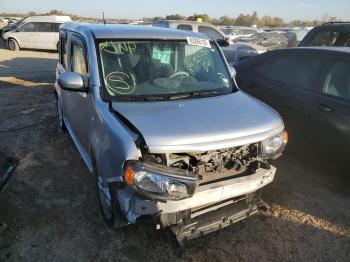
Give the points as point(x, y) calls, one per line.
point(201, 124)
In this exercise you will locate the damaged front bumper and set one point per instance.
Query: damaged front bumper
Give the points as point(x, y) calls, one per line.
point(169, 213)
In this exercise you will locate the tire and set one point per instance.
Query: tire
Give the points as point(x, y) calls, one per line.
point(108, 203)
point(12, 45)
point(60, 119)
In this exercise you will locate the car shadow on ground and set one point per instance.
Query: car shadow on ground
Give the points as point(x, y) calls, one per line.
point(3, 45)
point(36, 72)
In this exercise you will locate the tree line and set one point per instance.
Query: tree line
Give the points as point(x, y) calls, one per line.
point(246, 20)
point(240, 20)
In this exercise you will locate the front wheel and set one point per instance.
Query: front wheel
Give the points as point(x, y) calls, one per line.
point(12, 45)
point(108, 202)
point(60, 119)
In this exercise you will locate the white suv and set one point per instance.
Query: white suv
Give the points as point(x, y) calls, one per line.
point(36, 32)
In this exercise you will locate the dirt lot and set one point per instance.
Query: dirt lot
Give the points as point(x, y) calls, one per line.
point(48, 209)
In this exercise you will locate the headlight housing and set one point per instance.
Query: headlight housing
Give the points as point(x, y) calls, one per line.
point(274, 146)
point(159, 182)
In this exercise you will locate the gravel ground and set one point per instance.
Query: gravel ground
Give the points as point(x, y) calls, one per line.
point(48, 209)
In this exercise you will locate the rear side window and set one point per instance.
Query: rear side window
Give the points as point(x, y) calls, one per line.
point(330, 38)
point(78, 60)
point(28, 27)
point(337, 81)
point(43, 27)
point(298, 70)
point(185, 27)
point(56, 27)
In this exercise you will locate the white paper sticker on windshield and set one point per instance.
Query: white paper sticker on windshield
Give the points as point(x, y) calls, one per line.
point(198, 42)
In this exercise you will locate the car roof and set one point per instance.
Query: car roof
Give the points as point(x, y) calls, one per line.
point(189, 22)
point(335, 25)
point(119, 31)
point(316, 48)
point(48, 18)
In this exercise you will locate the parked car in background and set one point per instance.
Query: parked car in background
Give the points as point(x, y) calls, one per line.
point(36, 32)
point(291, 36)
point(236, 32)
point(329, 34)
point(310, 88)
point(13, 21)
point(3, 20)
point(10, 27)
point(158, 120)
point(272, 40)
point(234, 52)
point(300, 33)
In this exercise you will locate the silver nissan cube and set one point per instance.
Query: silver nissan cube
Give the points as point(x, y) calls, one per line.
point(161, 124)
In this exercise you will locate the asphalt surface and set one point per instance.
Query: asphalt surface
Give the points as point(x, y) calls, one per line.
point(49, 212)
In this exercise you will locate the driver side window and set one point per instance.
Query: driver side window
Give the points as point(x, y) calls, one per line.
point(28, 27)
point(78, 60)
point(337, 82)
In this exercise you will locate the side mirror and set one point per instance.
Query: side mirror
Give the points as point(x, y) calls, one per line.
point(227, 41)
point(233, 72)
point(223, 41)
point(71, 81)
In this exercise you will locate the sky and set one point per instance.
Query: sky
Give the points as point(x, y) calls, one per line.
point(134, 9)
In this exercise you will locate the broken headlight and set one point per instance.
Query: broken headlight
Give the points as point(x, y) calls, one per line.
point(274, 146)
point(159, 182)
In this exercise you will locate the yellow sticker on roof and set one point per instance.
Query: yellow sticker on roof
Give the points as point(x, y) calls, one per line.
point(198, 42)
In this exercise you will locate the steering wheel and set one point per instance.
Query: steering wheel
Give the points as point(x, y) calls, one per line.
point(184, 73)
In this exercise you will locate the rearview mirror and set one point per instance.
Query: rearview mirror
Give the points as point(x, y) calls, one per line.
point(71, 81)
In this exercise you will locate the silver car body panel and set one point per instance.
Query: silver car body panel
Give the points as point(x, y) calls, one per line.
point(201, 124)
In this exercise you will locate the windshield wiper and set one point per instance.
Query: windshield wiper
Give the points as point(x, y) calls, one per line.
point(153, 98)
point(145, 98)
point(174, 96)
point(195, 94)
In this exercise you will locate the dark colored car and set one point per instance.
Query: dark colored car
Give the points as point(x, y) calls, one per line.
point(291, 37)
point(329, 34)
point(310, 88)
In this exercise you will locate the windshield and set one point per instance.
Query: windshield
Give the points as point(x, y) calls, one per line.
point(163, 69)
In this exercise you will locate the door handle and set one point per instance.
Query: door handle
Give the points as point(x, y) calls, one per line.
point(324, 108)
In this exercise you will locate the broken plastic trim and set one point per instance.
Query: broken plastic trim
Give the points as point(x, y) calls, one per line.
point(218, 219)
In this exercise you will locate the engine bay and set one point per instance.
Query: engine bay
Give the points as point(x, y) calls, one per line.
point(213, 166)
